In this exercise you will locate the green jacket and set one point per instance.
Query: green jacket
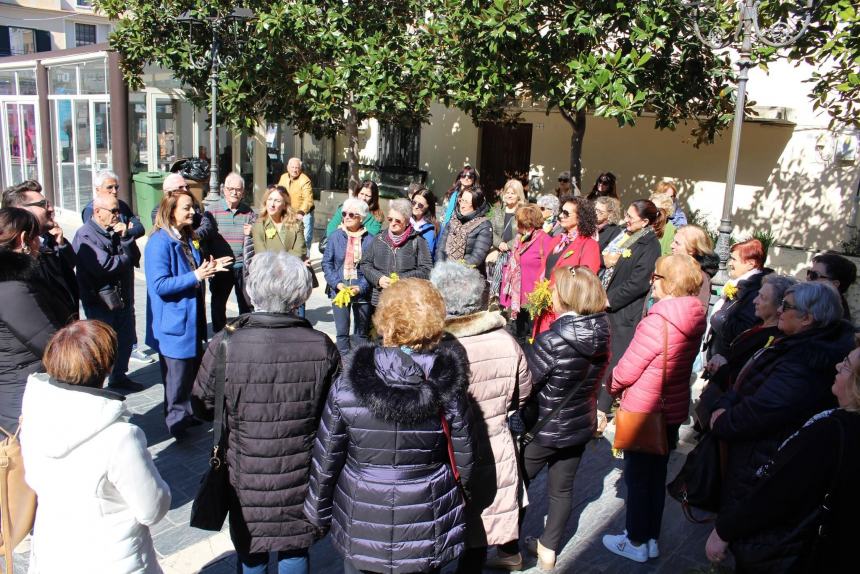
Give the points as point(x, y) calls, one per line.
point(266, 237)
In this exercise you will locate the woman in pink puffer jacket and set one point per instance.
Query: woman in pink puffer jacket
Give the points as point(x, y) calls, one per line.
point(678, 318)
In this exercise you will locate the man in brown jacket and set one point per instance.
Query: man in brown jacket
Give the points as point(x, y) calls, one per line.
point(301, 196)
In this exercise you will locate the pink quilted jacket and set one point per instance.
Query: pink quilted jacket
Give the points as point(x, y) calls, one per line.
point(639, 373)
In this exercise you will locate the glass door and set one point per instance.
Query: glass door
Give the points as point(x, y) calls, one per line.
point(19, 129)
point(82, 148)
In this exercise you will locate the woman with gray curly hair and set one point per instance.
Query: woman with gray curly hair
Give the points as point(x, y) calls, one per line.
point(275, 401)
point(608, 210)
point(549, 206)
point(395, 253)
point(499, 382)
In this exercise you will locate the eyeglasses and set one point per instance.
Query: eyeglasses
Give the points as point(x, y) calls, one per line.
point(393, 220)
point(564, 214)
point(786, 306)
point(43, 203)
point(655, 276)
point(114, 211)
point(812, 275)
point(419, 205)
point(346, 214)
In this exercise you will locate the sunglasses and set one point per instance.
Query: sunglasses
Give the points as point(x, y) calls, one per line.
point(563, 180)
point(419, 205)
point(43, 203)
point(467, 176)
point(604, 181)
point(393, 220)
point(815, 276)
point(346, 214)
point(180, 188)
point(564, 214)
point(114, 211)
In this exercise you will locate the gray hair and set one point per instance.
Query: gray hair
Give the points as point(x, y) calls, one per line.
point(401, 206)
point(550, 202)
point(103, 175)
point(780, 284)
point(295, 160)
point(613, 208)
point(235, 175)
point(463, 288)
point(355, 205)
point(278, 282)
point(819, 300)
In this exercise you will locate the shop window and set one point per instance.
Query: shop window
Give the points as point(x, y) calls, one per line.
point(85, 34)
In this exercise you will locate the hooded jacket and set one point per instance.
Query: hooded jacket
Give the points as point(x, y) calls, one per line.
point(381, 475)
point(98, 488)
point(575, 350)
point(499, 382)
point(783, 386)
point(274, 401)
point(26, 324)
point(639, 373)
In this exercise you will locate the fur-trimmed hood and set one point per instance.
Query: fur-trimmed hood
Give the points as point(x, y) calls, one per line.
point(406, 389)
point(16, 266)
point(474, 323)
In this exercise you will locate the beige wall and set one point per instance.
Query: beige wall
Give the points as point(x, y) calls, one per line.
point(49, 15)
point(448, 142)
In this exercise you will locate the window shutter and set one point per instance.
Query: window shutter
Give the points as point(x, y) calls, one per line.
point(43, 41)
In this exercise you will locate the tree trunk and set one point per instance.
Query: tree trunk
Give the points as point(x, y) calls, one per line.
point(577, 124)
point(352, 149)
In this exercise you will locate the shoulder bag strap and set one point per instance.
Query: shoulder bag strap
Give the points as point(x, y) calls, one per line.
point(530, 435)
point(220, 380)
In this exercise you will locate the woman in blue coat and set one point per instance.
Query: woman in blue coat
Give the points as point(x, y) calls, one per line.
point(340, 262)
point(175, 310)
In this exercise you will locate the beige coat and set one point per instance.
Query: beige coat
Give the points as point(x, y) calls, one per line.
point(499, 382)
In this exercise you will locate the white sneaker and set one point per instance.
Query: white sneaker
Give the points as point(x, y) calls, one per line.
point(653, 549)
point(621, 545)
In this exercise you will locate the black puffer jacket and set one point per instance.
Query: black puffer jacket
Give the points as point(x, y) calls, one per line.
point(26, 324)
point(381, 473)
point(279, 372)
point(479, 242)
point(575, 350)
point(786, 384)
point(412, 259)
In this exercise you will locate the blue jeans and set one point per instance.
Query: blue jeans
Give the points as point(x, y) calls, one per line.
point(289, 562)
point(308, 220)
point(361, 315)
point(121, 321)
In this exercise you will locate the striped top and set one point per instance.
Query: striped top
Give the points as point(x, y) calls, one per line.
point(231, 226)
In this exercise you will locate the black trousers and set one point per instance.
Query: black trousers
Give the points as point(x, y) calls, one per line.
point(563, 463)
point(645, 477)
point(220, 286)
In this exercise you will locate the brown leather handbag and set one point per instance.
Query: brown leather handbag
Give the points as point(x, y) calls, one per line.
point(17, 499)
point(645, 432)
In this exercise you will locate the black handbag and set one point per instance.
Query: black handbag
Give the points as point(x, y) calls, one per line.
point(211, 504)
point(699, 483)
point(111, 297)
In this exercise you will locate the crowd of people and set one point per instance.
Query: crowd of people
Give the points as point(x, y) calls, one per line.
point(472, 350)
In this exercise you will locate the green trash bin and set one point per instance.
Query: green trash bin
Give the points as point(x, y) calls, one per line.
point(147, 194)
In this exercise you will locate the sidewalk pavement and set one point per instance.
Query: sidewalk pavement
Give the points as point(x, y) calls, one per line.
point(597, 508)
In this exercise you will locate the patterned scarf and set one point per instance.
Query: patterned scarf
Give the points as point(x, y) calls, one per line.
point(458, 232)
point(514, 286)
point(566, 240)
point(353, 254)
point(396, 241)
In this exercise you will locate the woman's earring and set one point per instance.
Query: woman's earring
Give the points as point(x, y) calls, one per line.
point(25, 249)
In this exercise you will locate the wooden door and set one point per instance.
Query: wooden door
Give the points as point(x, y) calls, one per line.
point(505, 153)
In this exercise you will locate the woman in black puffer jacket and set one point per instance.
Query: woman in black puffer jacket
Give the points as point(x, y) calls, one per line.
point(469, 234)
point(574, 352)
point(26, 319)
point(274, 400)
point(382, 477)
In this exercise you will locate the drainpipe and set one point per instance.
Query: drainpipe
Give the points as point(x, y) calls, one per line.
point(118, 91)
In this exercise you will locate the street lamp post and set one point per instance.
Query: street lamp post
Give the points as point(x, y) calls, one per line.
point(213, 60)
point(706, 18)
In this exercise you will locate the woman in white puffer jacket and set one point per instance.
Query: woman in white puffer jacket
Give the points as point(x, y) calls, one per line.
point(97, 486)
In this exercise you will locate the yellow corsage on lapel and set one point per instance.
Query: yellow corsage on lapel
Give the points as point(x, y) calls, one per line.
point(196, 244)
point(626, 254)
point(271, 232)
point(730, 291)
point(567, 254)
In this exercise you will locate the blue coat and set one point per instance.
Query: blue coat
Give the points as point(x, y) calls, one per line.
point(171, 306)
point(428, 232)
point(332, 264)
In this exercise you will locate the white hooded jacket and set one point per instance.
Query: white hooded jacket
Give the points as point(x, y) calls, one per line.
point(97, 486)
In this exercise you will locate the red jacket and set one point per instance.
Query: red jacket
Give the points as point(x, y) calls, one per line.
point(639, 373)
